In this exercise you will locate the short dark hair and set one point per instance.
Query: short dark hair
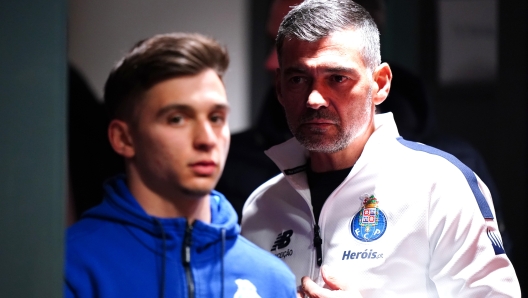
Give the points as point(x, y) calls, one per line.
point(313, 20)
point(156, 59)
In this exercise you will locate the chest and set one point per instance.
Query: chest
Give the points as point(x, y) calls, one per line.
point(367, 229)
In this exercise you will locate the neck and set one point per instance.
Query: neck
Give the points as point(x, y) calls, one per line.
point(168, 202)
point(325, 162)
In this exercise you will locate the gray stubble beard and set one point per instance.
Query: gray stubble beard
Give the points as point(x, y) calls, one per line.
point(343, 138)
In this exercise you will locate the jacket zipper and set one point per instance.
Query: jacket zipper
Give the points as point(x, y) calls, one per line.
point(186, 259)
point(317, 244)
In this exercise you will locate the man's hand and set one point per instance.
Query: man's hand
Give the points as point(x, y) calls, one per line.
point(337, 288)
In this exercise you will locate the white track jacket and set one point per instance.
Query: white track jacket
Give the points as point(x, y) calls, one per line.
point(408, 221)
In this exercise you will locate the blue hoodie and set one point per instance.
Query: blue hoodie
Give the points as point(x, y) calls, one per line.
point(118, 250)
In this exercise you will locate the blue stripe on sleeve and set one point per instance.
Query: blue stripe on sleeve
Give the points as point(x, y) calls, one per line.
point(468, 173)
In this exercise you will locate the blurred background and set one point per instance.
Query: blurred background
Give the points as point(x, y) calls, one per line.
point(470, 54)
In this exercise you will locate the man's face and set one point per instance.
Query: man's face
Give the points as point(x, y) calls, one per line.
point(181, 137)
point(326, 90)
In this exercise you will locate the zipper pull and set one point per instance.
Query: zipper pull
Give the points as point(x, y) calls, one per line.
point(187, 243)
point(186, 259)
point(317, 244)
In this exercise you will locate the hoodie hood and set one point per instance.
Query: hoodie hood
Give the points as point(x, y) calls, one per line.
point(120, 206)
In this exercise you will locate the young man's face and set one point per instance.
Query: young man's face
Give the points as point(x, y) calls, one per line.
point(181, 136)
point(326, 90)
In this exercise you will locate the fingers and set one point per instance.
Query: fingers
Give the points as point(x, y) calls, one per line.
point(331, 280)
point(335, 287)
point(300, 294)
point(310, 288)
point(308, 285)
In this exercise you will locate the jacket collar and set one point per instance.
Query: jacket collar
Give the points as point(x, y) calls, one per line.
point(291, 157)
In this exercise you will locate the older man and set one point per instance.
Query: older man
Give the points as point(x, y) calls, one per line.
point(391, 218)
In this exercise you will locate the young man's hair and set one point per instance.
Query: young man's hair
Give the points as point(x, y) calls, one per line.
point(313, 20)
point(156, 59)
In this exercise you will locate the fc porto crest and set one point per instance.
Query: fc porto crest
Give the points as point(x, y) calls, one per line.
point(369, 223)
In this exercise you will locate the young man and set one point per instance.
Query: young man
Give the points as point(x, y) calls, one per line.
point(390, 218)
point(161, 230)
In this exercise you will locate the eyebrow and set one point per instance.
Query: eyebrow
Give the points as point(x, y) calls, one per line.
point(341, 69)
point(325, 69)
point(174, 107)
point(221, 107)
point(188, 109)
point(294, 70)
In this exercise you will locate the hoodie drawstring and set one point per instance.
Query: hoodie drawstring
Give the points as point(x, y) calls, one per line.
point(164, 257)
point(222, 260)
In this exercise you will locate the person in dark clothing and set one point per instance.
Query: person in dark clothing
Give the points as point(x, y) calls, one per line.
point(247, 166)
point(91, 160)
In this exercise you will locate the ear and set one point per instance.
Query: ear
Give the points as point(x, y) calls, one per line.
point(120, 138)
point(382, 78)
point(278, 88)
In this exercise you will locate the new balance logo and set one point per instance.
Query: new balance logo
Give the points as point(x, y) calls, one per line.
point(283, 239)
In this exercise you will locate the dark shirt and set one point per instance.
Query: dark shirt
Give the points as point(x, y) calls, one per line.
point(322, 185)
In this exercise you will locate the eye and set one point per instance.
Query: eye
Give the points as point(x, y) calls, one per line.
point(338, 78)
point(176, 119)
point(297, 80)
point(218, 118)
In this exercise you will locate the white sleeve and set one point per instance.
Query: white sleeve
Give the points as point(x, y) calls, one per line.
point(467, 256)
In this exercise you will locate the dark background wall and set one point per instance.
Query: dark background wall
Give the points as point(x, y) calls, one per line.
point(32, 147)
point(490, 115)
point(259, 46)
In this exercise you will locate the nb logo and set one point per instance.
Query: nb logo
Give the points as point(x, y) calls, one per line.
point(283, 239)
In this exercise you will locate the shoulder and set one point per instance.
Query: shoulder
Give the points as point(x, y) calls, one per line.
point(83, 229)
point(429, 167)
point(276, 194)
point(269, 267)
point(83, 244)
point(449, 177)
point(429, 159)
point(275, 184)
point(84, 238)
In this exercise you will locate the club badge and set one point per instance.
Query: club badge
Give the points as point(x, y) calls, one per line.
point(369, 223)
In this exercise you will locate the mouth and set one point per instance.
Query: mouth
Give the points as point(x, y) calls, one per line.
point(319, 122)
point(319, 117)
point(317, 126)
point(204, 168)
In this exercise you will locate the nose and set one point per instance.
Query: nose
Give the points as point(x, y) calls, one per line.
point(204, 136)
point(316, 100)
